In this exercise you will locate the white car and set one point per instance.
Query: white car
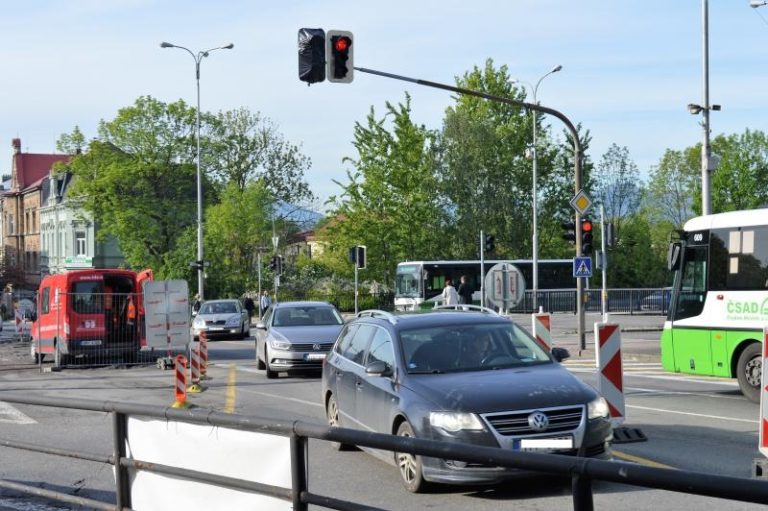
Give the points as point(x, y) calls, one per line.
point(220, 319)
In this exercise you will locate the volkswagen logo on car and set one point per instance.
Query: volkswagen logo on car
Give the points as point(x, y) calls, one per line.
point(316, 347)
point(538, 421)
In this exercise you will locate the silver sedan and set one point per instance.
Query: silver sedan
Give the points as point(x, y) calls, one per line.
point(221, 318)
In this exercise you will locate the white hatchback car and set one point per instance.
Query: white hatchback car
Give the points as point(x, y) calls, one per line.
point(221, 318)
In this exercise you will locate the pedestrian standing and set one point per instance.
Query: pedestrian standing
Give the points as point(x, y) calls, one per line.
point(450, 296)
point(249, 306)
point(465, 290)
point(264, 302)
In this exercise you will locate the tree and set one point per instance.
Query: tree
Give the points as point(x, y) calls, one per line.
point(741, 178)
point(672, 188)
point(391, 203)
point(616, 185)
point(485, 174)
point(235, 228)
point(136, 178)
point(247, 147)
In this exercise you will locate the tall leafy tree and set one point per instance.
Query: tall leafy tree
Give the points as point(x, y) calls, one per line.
point(741, 178)
point(391, 203)
point(616, 185)
point(136, 178)
point(485, 174)
point(672, 187)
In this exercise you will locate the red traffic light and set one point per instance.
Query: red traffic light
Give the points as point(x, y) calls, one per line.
point(341, 44)
point(586, 225)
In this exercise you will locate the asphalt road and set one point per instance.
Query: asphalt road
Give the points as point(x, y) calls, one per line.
point(691, 423)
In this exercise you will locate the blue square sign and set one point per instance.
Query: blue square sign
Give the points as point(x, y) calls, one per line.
point(582, 266)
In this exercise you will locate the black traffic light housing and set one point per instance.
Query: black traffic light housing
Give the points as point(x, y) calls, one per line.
point(339, 53)
point(357, 256)
point(569, 231)
point(311, 55)
point(586, 236)
point(490, 243)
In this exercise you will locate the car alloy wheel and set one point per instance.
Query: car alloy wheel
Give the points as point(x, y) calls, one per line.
point(332, 412)
point(409, 465)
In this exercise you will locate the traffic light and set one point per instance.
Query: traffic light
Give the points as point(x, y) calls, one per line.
point(569, 231)
point(279, 265)
point(490, 243)
point(586, 236)
point(311, 55)
point(339, 54)
point(361, 249)
point(273, 263)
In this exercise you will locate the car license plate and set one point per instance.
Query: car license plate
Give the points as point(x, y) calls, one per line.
point(544, 444)
point(91, 343)
point(315, 356)
point(215, 329)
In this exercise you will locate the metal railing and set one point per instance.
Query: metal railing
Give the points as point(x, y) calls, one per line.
point(581, 470)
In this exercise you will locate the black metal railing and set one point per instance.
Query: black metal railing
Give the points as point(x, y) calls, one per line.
point(581, 470)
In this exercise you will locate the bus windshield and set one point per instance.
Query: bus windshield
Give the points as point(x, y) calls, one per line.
point(407, 281)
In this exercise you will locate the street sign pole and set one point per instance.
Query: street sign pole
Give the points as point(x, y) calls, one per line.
point(482, 268)
point(604, 256)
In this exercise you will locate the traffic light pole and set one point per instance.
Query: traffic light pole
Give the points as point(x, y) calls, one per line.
point(482, 268)
point(576, 157)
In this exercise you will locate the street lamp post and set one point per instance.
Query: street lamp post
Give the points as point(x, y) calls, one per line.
point(535, 240)
point(198, 57)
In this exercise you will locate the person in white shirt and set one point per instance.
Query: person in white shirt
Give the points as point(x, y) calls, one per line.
point(450, 296)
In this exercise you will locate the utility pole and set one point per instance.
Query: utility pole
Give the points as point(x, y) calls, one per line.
point(482, 268)
point(604, 257)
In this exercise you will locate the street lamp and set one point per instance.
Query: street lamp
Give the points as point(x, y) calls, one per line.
point(535, 241)
point(200, 263)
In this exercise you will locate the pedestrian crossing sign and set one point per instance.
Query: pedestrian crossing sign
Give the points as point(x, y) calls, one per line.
point(582, 267)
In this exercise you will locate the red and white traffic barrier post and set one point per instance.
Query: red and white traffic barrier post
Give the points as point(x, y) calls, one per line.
point(195, 388)
point(180, 382)
point(611, 372)
point(203, 356)
point(764, 397)
point(541, 326)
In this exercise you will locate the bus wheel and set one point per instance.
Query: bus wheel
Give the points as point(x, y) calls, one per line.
point(749, 371)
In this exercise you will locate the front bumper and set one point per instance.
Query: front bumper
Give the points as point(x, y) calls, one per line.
point(595, 442)
point(216, 332)
point(285, 360)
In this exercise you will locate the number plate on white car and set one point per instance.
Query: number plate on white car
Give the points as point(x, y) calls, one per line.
point(315, 356)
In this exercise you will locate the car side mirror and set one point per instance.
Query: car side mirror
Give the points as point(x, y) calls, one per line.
point(560, 354)
point(378, 368)
point(261, 326)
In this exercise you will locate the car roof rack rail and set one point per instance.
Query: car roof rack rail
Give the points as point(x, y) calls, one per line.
point(376, 313)
point(467, 307)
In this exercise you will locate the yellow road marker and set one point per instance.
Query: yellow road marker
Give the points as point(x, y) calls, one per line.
point(229, 404)
point(640, 461)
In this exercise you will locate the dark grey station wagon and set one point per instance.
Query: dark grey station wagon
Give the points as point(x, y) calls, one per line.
point(459, 376)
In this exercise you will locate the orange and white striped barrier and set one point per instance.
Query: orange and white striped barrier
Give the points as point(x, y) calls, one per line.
point(195, 388)
point(203, 356)
point(541, 326)
point(180, 379)
point(610, 382)
point(763, 445)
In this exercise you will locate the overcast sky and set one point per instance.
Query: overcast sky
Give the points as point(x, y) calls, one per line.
point(630, 67)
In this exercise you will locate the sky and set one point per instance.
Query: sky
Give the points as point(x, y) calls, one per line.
point(629, 67)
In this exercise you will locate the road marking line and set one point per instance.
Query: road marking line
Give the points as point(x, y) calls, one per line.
point(13, 416)
point(727, 382)
point(283, 398)
point(659, 392)
point(732, 419)
point(229, 403)
point(640, 461)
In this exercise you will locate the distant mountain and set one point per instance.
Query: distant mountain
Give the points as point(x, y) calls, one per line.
point(304, 218)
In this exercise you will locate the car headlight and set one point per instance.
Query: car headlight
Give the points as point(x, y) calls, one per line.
point(454, 422)
point(280, 345)
point(233, 321)
point(597, 408)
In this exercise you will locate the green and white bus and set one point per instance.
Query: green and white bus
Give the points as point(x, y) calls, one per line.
point(420, 282)
point(719, 300)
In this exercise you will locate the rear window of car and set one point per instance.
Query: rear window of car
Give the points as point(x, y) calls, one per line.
point(469, 347)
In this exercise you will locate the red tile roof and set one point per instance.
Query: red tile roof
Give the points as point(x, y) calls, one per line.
point(31, 168)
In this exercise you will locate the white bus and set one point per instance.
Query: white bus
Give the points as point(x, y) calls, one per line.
point(419, 282)
point(719, 302)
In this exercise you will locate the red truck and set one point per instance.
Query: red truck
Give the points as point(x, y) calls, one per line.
point(95, 313)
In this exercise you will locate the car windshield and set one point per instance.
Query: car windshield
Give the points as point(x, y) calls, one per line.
point(218, 308)
point(474, 347)
point(306, 316)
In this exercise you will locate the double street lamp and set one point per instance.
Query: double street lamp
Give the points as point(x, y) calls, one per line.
point(535, 240)
point(200, 263)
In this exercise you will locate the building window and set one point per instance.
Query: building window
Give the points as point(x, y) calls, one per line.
point(80, 243)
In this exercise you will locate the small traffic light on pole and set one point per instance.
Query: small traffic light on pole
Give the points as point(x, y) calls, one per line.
point(586, 236)
point(339, 56)
point(569, 231)
point(311, 55)
point(490, 243)
point(273, 263)
point(279, 264)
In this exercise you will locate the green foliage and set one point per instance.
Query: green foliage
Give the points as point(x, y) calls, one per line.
point(638, 259)
point(741, 179)
point(235, 227)
point(673, 187)
point(617, 186)
point(391, 203)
